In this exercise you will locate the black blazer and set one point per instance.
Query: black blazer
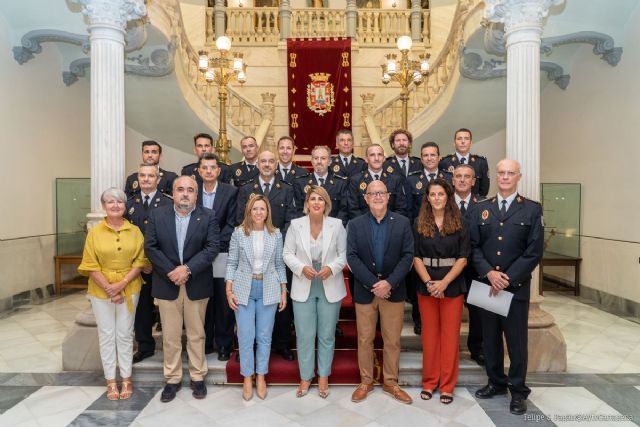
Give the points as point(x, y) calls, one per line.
point(224, 208)
point(201, 246)
point(513, 244)
point(397, 261)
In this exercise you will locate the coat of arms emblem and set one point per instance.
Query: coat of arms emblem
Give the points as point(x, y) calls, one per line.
point(320, 93)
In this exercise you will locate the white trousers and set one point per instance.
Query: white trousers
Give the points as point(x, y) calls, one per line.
point(115, 335)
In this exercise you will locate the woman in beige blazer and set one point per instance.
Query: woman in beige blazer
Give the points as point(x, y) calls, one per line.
point(315, 251)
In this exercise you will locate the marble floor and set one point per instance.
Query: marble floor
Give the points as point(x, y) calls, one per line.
point(601, 387)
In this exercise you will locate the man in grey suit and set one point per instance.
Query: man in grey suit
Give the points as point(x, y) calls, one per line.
point(181, 242)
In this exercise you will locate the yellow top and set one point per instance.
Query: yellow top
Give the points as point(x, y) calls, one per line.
point(114, 253)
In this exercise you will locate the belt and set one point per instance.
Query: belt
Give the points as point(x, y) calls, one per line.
point(256, 276)
point(439, 262)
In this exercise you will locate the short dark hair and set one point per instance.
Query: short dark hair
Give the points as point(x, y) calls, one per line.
point(151, 143)
point(208, 156)
point(400, 132)
point(202, 135)
point(429, 144)
point(462, 130)
point(345, 132)
point(285, 138)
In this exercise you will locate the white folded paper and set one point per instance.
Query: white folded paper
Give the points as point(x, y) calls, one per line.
point(220, 265)
point(480, 296)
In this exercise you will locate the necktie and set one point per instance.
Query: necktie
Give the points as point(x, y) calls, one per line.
point(463, 209)
point(463, 160)
point(321, 182)
point(503, 209)
point(404, 167)
point(376, 177)
point(345, 161)
point(266, 189)
point(286, 172)
point(146, 201)
point(251, 167)
point(432, 176)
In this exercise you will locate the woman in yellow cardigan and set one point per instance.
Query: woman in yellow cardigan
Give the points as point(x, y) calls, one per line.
point(113, 258)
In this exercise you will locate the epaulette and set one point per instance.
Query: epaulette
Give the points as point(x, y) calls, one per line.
point(415, 173)
point(131, 197)
point(521, 199)
point(168, 196)
point(285, 182)
point(478, 156)
point(487, 200)
point(344, 178)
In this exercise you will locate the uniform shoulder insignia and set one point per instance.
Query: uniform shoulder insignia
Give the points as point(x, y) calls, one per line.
point(392, 159)
point(414, 173)
point(283, 182)
point(453, 158)
point(479, 156)
point(390, 169)
point(485, 200)
point(238, 172)
point(135, 184)
point(336, 168)
point(131, 197)
point(344, 178)
point(529, 200)
point(168, 196)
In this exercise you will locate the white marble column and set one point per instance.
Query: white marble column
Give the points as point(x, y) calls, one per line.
point(285, 20)
point(220, 12)
point(523, 22)
point(352, 19)
point(416, 21)
point(107, 22)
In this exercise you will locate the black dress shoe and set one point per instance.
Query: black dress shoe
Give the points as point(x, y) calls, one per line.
point(339, 331)
point(417, 329)
point(488, 391)
point(286, 354)
point(139, 356)
point(169, 392)
point(518, 406)
point(478, 358)
point(224, 354)
point(199, 389)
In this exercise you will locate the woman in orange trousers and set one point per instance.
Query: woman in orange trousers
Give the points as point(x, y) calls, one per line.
point(441, 250)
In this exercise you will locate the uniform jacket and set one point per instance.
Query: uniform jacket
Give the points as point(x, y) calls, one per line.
point(240, 173)
point(415, 189)
point(356, 166)
point(392, 166)
point(138, 215)
point(358, 186)
point(478, 163)
point(283, 208)
point(294, 173)
point(337, 188)
point(165, 185)
point(192, 171)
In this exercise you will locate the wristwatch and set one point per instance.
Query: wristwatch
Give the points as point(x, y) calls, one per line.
point(428, 283)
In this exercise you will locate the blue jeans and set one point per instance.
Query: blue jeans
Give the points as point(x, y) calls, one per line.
point(255, 322)
point(315, 316)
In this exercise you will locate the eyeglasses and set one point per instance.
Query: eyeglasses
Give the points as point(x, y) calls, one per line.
point(377, 193)
point(509, 174)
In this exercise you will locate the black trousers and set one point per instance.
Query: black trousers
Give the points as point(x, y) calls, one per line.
point(143, 323)
point(515, 330)
point(412, 280)
point(219, 319)
point(281, 337)
point(474, 339)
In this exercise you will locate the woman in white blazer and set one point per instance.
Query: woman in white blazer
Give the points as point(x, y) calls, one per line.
point(315, 251)
point(256, 284)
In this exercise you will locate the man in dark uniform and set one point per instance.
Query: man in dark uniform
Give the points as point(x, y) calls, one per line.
point(287, 170)
point(280, 196)
point(415, 187)
point(345, 163)
point(402, 163)
point(221, 197)
point(246, 170)
point(462, 140)
point(507, 244)
point(358, 185)
point(203, 143)
point(464, 179)
point(139, 208)
point(335, 185)
point(151, 155)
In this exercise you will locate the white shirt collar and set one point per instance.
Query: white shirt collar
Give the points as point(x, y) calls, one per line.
point(325, 177)
point(372, 173)
point(509, 199)
point(210, 192)
point(399, 159)
point(466, 157)
point(151, 195)
point(426, 172)
point(263, 182)
point(342, 157)
point(459, 199)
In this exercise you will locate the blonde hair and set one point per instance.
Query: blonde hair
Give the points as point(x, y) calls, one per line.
point(320, 192)
point(247, 222)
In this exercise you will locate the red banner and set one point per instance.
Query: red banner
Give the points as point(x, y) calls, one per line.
point(319, 76)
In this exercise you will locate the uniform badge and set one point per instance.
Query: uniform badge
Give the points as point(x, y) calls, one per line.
point(131, 210)
point(473, 159)
point(441, 175)
point(453, 158)
point(255, 185)
point(158, 199)
point(155, 206)
point(193, 176)
point(278, 185)
point(418, 185)
point(451, 169)
point(336, 168)
point(390, 169)
point(310, 182)
point(146, 221)
point(331, 181)
point(161, 174)
point(238, 172)
point(135, 184)
point(393, 160)
point(306, 188)
point(137, 200)
point(363, 185)
point(485, 214)
point(293, 172)
point(519, 199)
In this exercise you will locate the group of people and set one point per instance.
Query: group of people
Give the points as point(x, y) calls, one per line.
point(262, 245)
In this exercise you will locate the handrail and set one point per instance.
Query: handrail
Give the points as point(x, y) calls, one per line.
point(388, 115)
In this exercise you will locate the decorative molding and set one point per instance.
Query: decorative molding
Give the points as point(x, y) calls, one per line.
point(112, 12)
point(603, 44)
point(474, 66)
point(159, 63)
point(518, 12)
point(32, 43)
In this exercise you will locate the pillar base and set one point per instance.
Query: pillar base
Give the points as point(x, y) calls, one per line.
point(547, 347)
point(80, 348)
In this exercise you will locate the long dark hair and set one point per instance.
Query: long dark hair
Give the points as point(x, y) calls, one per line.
point(426, 223)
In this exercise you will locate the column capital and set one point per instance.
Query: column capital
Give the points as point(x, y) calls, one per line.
point(516, 13)
point(115, 13)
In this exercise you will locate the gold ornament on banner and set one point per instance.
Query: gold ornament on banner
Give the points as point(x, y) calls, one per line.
point(345, 59)
point(294, 120)
point(346, 123)
point(292, 60)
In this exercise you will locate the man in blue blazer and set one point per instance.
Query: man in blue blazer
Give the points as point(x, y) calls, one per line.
point(181, 242)
point(221, 198)
point(380, 254)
